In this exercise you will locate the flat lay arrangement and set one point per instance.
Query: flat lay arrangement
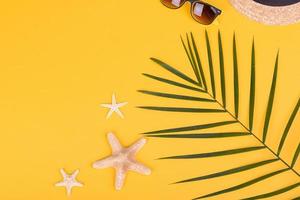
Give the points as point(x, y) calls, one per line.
point(163, 99)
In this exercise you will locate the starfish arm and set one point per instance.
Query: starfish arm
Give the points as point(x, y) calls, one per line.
point(63, 173)
point(106, 105)
point(78, 184)
point(104, 163)
point(133, 149)
point(113, 99)
point(119, 113)
point(75, 174)
point(69, 190)
point(120, 178)
point(121, 104)
point(114, 143)
point(60, 184)
point(139, 168)
point(110, 112)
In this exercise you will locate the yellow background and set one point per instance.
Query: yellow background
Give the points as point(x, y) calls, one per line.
point(60, 59)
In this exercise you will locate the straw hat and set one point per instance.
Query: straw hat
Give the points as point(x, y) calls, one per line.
point(272, 12)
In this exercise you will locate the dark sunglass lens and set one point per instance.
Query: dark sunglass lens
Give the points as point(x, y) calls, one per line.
point(173, 3)
point(204, 13)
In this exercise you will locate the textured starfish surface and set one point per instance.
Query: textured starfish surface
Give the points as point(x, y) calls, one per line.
point(123, 160)
point(114, 107)
point(69, 181)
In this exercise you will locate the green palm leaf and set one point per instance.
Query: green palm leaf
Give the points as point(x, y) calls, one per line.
point(171, 133)
point(287, 128)
point(200, 69)
point(203, 135)
point(178, 109)
point(174, 71)
point(196, 68)
point(230, 171)
point(276, 192)
point(192, 61)
point(192, 128)
point(222, 70)
point(210, 64)
point(270, 102)
point(174, 83)
point(235, 79)
point(216, 153)
point(246, 184)
point(252, 88)
point(296, 155)
point(176, 96)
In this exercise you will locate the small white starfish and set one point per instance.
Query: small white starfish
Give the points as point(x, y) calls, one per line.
point(114, 107)
point(69, 181)
point(122, 159)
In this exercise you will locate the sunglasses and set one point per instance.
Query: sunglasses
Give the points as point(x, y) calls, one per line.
point(203, 13)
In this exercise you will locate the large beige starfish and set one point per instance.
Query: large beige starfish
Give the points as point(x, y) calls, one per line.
point(122, 159)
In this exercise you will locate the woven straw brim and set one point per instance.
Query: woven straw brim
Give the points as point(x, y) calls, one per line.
point(271, 15)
